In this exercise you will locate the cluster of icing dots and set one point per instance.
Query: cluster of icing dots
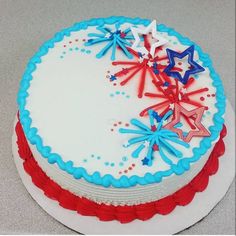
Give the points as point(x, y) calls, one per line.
point(208, 95)
point(85, 160)
point(119, 93)
point(107, 163)
point(70, 47)
point(130, 168)
point(116, 125)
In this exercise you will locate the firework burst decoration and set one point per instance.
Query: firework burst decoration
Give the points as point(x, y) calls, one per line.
point(154, 138)
point(113, 39)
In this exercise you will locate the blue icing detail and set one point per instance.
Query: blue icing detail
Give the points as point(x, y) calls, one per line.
point(108, 180)
point(113, 40)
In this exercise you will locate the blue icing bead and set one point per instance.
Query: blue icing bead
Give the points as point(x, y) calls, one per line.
point(53, 158)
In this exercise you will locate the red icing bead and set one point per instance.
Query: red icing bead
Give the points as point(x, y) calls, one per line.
point(155, 147)
point(202, 98)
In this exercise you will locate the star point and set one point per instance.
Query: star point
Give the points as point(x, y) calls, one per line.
point(160, 41)
point(194, 66)
point(198, 113)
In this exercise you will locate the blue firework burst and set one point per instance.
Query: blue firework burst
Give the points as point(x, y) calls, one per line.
point(154, 138)
point(113, 39)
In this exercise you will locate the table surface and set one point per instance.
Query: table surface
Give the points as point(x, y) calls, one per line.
point(25, 25)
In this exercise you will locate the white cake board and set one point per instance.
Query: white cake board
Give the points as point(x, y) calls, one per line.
point(180, 219)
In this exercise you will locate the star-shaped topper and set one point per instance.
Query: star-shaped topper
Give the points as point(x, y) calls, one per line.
point(150, 28)
point(194, 67)
point(196, 114)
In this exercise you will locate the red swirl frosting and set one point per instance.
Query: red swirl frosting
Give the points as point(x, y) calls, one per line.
point(123, 214)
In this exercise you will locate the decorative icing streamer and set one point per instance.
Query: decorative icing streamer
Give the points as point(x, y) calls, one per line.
point(173, 93)
point(115, 39)
point(145, 65)
point(154, 138)
point(194, 67)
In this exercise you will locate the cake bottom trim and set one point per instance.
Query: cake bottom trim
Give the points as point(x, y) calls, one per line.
point(123, 214)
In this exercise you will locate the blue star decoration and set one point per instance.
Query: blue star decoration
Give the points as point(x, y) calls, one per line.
point(194, 67)
point(113, 39)
point(154, 138)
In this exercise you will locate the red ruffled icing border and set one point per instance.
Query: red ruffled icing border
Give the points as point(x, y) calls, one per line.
point(123, 214)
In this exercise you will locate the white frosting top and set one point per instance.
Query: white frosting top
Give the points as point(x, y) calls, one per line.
point(78, 111)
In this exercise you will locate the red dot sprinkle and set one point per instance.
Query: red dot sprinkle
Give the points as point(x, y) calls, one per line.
point(114, 84)
point(112, 130)
point(180, 63)
point(126, 171)
point(115, 124)
point(70, 42)
point(119, 122)
point(120, 172)
point(213, 95)
point(84, 40)
point(202, 98)
point(76, 40)
point(130, 168)
point(206, 108)
point(208, 95)
point(133, 165)
point(64, 46)
point(108, 71)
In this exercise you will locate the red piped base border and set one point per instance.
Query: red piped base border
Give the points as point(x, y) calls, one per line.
point(123, 214)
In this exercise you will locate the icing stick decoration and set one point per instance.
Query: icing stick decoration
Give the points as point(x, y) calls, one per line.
point(154, 138)
point(198, 131)
point(113, 39)
point(147, 49)
point(193, 69)
point(171, 93)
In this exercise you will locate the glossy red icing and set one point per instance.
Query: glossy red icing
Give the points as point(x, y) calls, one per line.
point(123, 214)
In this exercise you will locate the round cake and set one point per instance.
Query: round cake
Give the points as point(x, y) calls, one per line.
point(120, 118)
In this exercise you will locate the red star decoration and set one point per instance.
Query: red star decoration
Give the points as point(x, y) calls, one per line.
point(196, 114)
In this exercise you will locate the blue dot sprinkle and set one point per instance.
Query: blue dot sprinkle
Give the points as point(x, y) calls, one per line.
point(85, 160)
point(127, 96)
point(76, 48)
point(121, 164)
point(82, 50)
point(98, 157)
point(117, 92)
point(61, 57)
point(111, 95)
point(92, 155)
point(112, 164)
point(106, 163)
point(88, 51)
point(124, 158)
point(123, 93)
point(71, 49)
point(64, 52)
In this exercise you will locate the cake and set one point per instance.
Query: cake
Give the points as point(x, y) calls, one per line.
point(120, 119)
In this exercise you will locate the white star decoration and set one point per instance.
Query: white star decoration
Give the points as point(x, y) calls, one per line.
point(150, 28)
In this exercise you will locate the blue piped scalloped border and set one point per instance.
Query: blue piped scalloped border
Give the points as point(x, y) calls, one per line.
point(108, 180)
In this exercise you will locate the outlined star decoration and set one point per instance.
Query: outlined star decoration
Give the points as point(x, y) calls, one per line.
point(194, 66)
point(196, 114)
point(150, 28)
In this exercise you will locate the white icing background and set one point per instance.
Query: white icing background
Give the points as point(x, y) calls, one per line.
point(28, 24)
point(69, 103)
